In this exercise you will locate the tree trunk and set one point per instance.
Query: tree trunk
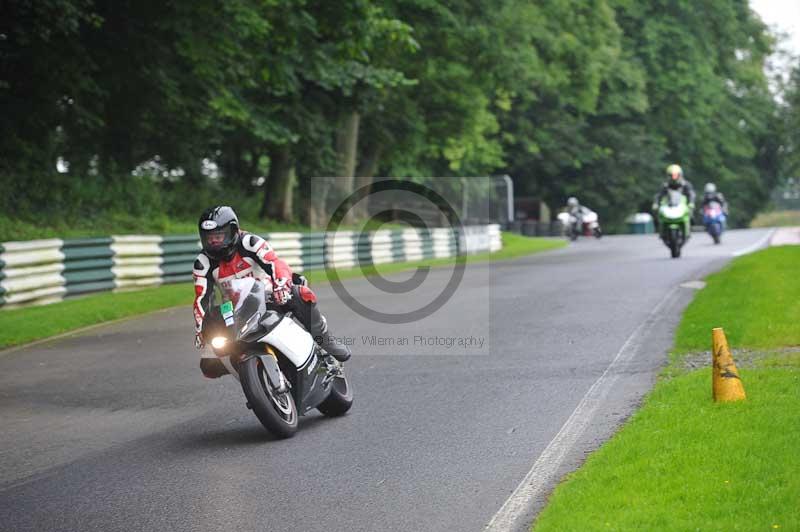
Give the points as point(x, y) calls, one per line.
point(367, 168)
point(347, 151)
point(280, 166)
point(280, 206)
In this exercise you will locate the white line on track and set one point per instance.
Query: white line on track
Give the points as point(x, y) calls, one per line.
point(544, 469)
point(758, 245)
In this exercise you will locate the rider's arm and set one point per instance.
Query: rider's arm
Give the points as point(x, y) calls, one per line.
point(688, 189)
point(724, 202)
point(203, 289)
point(659, 197)
point(259, 250)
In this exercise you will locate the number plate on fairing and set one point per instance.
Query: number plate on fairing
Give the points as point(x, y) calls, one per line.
point(226, 309)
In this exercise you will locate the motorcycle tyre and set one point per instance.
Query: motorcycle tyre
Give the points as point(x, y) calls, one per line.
point(340, 400)
point(254, 384)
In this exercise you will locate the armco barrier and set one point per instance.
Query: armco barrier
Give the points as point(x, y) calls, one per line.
point(44, 271)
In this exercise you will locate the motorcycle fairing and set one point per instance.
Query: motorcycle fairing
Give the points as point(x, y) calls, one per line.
point(310, 392)
point(292, 340)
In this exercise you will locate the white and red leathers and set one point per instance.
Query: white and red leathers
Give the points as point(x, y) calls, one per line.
point(254, 257)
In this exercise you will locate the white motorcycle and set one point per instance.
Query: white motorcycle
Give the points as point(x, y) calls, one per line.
point(587, 225)
point(283, 372)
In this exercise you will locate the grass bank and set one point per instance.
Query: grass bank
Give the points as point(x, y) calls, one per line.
point(27, 324)
point(776, 219)
point(683, 462)
point(756, 299)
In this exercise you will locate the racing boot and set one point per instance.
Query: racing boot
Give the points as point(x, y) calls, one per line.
point(330, 343)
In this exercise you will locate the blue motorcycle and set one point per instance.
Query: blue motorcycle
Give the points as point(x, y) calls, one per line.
point(714, 220)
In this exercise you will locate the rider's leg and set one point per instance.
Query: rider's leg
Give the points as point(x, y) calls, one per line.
point(304, 306)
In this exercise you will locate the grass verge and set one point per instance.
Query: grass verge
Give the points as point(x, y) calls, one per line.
point(683, 462)
point(756, 299)
point(776, 219)
point(19, 326)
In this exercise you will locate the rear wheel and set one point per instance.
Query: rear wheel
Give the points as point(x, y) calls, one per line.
point(340, 400)
point(277, 412)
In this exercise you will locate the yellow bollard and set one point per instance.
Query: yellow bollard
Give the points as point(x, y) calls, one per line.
point(727, 386)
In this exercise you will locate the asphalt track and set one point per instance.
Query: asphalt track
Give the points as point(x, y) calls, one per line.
point(116, 429)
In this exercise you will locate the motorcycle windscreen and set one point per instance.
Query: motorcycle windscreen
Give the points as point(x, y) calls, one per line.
point(247, 295)
point(292, 340)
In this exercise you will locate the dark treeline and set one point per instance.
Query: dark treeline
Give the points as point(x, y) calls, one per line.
point(166, 106)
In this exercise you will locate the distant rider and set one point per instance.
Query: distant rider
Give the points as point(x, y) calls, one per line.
point(675, 181)
point(230, 253)
point(710, 194)
point(574, 208)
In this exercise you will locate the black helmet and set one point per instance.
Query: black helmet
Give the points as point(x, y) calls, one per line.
point(219, 232)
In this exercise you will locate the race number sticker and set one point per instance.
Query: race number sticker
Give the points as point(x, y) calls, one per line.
point(227, 312)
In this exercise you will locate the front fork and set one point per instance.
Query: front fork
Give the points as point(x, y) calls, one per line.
point(269, 361)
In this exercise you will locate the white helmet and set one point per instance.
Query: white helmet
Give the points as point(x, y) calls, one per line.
point(572, 201)
point(711, 188)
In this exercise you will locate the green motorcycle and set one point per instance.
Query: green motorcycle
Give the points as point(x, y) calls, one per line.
point(674, 219)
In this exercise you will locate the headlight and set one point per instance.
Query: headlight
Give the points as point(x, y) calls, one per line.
point(218, 342)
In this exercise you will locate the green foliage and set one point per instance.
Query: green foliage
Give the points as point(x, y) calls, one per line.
point(213, 97)
point(791, 125)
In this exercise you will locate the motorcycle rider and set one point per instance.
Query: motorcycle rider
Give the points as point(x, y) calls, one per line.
point(710, 194)
point(675, 181)
point(574, 208)
point(230, 253)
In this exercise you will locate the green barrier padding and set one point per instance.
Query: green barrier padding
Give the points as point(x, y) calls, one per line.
point(180, 248)
point(84, 288)
point(398, 247)
point(178, 278)
point(178, 268)
point(187, 258)
point(86, 248)
point(88, 264)
point(180, 238)
point(85, 276)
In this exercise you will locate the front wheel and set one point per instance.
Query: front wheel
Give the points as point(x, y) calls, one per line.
point(340, 400)
point(573, 234)
point(716, 232)
point(277, 412)
point(598, 233)
point(674, 243)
